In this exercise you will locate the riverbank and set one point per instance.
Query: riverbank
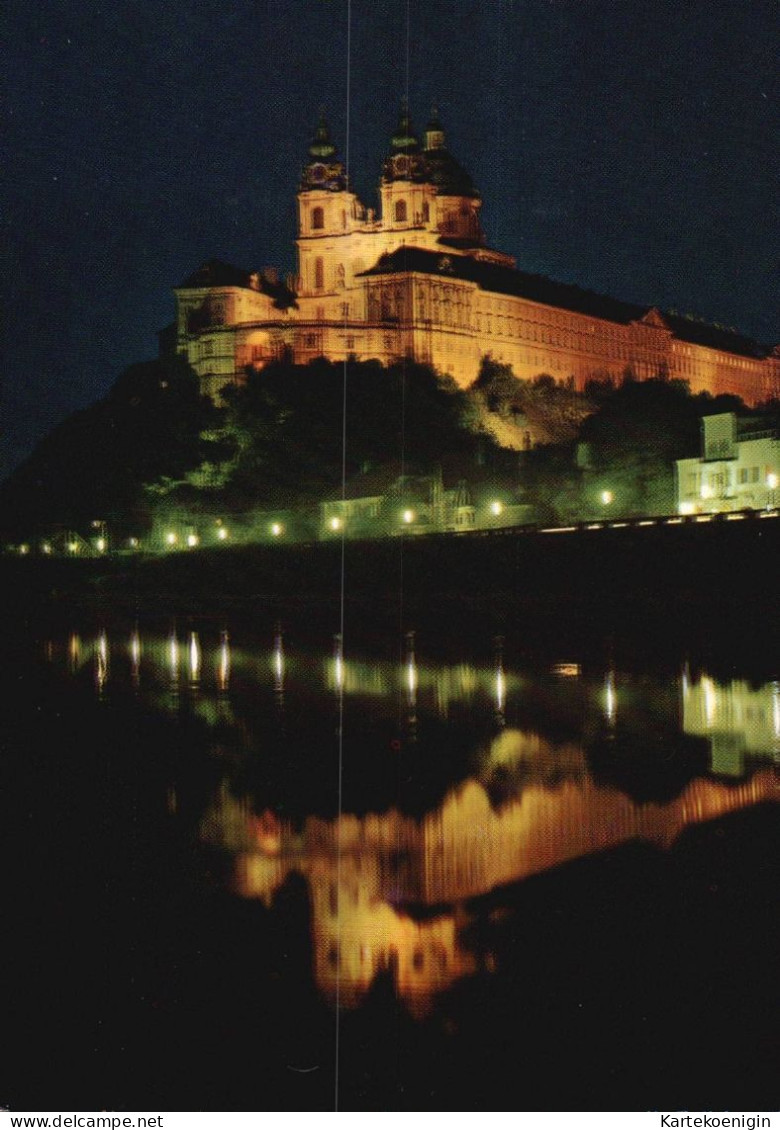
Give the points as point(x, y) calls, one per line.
point(642, 585)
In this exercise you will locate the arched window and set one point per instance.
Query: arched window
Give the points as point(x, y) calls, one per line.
point(319, 274)
point(400, 211)
point(317, 218)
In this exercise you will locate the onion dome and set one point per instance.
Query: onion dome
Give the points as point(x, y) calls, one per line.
point(403, 162)
point(442, 170)
point(323, 169)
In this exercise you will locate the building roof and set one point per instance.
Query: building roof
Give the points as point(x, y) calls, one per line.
point(714, 337)
point(499, 279)
point(216, 273)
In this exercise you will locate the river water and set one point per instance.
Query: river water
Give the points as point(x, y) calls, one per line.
point(255, 870)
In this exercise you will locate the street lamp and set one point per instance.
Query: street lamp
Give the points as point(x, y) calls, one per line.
point(222, 533)
point(192, 540)
point(170, 538)
point(335, 523)
point(276, 529)
point(606, 497)
point(496, 508)
point(407, 517)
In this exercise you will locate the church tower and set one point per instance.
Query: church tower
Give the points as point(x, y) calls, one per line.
point(327, 212)
point(407, 196)
point(457, 200)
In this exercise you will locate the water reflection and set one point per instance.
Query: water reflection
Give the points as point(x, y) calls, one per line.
point(737, 719)
point(533, 788)
point(363, 875)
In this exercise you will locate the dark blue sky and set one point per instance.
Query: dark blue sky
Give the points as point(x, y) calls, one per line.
point(627, 146)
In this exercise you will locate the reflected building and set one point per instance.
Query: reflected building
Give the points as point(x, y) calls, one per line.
point(739, 721)
point(388, 892)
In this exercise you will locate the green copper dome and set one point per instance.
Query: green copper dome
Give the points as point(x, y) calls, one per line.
point(404, 139)
point(323, 169)
point(322, 148)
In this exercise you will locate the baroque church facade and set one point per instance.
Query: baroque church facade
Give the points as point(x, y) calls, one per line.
point(418, 280)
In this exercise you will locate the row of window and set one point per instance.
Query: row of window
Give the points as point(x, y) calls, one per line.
point(400, 215)
point(720, 480)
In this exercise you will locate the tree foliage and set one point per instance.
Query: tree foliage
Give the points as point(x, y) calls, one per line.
point(94, 464)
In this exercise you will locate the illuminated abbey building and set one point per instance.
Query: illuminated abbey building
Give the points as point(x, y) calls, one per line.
point(418, 280)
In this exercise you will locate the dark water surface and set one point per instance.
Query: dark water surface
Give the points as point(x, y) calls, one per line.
point(246, 864)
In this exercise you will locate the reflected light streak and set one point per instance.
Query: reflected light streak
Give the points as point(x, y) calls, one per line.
point(708, 688)
point(610, 698)
point(173, 656)
point(74, 650)
point(101, 661)
point(135, 657)
point(194, 657)
point(277, 663)
point(223, 666)
point(338, 663)
point(500, 690)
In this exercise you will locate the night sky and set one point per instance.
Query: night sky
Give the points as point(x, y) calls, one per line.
point(627, 146)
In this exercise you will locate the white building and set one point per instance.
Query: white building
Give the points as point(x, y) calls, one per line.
point(737, 469)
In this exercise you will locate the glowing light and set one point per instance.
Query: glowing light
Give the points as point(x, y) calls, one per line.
point(407, 517)
point(170, 538)
point(771, 480)
point(606, 497)
point(278, 665)
point(335, 523)
point(101, 668)
point(73, 547)
point(610, 698)
point(101, 545)
point(135, 650)
point(686, 508)
point(222, 533)
point(133, 543)
point(223, 669)
point(194, 657)
point(500, 690)
point(411, 676)
point(710, 698)
point(568, 670)
point(173, 655)
point(496, 508)
point(707, 491)
point(338, 663)
point(24, 549)
point(192, 540)
point(46, 548)
point(276, 529)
